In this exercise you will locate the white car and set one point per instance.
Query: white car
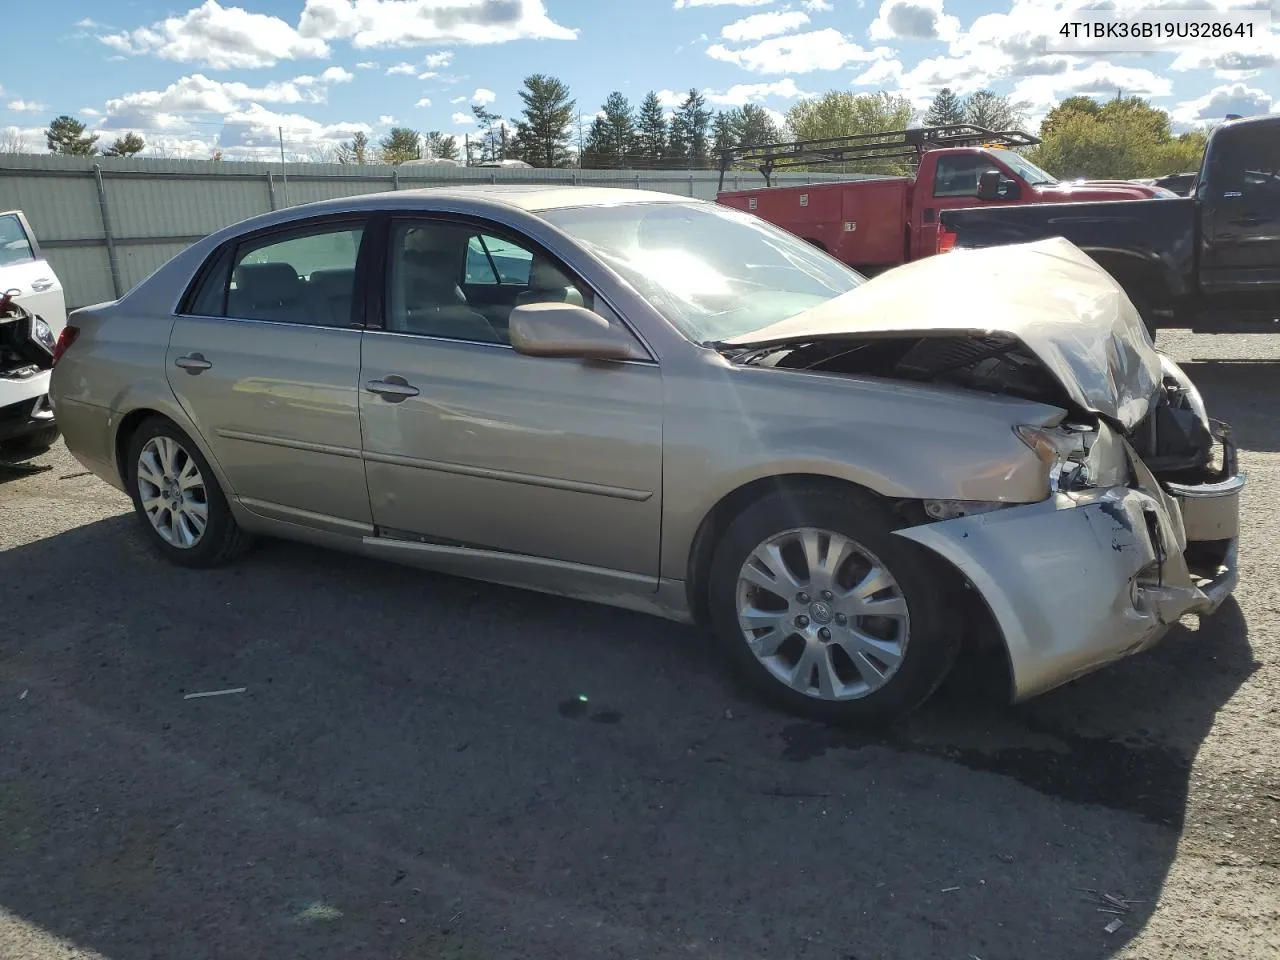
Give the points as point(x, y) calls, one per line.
point(27, 336)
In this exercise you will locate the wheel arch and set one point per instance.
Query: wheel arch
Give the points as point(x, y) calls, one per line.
point(136, 417)
point(729, 507)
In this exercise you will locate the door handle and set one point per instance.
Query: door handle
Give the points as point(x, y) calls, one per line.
point(392, 388)
point(193, 363)
point(41, 285)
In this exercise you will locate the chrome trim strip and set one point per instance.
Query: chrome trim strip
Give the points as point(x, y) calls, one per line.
point(308, 516)
point(533, 480)
point(1223, 488)
point(331, 449)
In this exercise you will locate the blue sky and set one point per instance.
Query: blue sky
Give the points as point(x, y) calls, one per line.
point(192, 75)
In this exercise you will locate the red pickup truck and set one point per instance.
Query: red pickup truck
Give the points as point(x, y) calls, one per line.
point(877, 223)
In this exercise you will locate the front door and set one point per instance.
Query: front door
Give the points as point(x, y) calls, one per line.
point(1240, 255)
point(468, 443)
point(266, 362)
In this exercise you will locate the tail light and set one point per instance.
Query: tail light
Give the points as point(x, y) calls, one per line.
point(65, 339)
point(946, 240)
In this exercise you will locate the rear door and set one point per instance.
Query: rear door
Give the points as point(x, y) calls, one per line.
point(265, 359)
point(25, 272)
point(1240, 246)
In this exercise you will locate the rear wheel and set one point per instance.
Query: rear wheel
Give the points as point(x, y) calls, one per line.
point(827, 613)
point(177, 497)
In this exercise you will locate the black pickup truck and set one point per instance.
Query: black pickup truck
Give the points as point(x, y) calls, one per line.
point(1210, 261)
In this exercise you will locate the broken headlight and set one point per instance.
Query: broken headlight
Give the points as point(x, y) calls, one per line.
point(1077, 456)
point(42, 333)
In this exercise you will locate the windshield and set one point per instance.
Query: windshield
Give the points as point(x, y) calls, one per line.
point(713, 272)
point(1024, 168)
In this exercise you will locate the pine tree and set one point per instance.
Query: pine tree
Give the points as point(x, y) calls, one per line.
point(946, 108)
point(620, 129)
point(441, 147)
point(651, 132)
point(542, 133)
point(493, 136)
point(693, 122)
point(987, 109)
point(66, 135)
point(754, 125)
point(126, 146)
point(401, 144)
point(355, 150)
point(724, 131)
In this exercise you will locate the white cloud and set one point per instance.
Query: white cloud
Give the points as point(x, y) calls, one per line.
point(761, 25)
point(483, 97)
point(882, 73)
point(1230, 98)
point(441, 59)
point(405, 69)
point(367, 65)
point(428, 75)
point(88, 24)
point(681, 4)
point(90, 112)
point(462, 119)
point(424, 102)
point(457, 100)
point(256, 126)
point(913, 20)
point(196, 94)
point(220, 37)
point(827, 49)
point(337, 75)
point(818, 6)
point(409, 23)
point(1229, 65)
point(386, 120)
point(26, 106)
point(672, 98)
point(1094, 78)
point(744, 93)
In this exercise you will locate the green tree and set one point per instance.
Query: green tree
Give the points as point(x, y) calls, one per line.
point(754, 125)
point(990, 110)
point(946, 108)
point(651, 132)
point(611, 141)
point(724, 132)
point(841, 114)
point(1120, 140)
point(441, 147)
point(689, 141)
point(356, 150)
point(400, 144)
point(1072, 105)
point(493, 134)
point(542, 132)
point(66, 135)
point(126, 146)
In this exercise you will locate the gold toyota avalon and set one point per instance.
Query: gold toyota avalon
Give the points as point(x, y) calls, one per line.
point(667, 405)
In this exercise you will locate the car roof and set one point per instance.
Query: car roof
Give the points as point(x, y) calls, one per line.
point(530, 197)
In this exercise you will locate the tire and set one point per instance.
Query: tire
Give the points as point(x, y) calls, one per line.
point(927, 633)
point(35, 442)
point(220, 539)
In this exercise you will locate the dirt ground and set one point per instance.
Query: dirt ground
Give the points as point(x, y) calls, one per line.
point(425, 767)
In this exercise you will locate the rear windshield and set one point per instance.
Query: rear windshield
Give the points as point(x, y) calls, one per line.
point(14, 245)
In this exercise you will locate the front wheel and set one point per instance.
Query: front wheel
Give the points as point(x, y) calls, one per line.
point(827, 613)
point(177, 497)
point(37, 441)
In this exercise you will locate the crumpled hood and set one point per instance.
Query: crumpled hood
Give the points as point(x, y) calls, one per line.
point(1049, 295)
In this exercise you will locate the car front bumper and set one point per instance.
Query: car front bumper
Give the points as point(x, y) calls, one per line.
point(1085, 578)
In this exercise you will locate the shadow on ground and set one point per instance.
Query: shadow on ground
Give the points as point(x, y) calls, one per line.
point(421, 766)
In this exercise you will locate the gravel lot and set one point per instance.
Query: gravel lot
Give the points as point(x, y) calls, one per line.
point(412, 773)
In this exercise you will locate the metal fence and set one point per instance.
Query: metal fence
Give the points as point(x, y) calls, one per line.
point(106, 224)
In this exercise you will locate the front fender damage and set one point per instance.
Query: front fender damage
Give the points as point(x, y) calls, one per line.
point(1081, 579)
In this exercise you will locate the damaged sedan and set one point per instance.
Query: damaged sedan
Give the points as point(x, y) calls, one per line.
point(669, 406)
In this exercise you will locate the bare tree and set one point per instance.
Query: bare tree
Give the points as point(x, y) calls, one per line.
point(12, 141)
point(321, 153)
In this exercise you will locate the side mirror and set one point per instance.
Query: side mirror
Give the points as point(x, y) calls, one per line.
point(566, 330)
point(989, 185)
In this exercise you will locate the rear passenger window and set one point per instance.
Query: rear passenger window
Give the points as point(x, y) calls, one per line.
point(305, 276)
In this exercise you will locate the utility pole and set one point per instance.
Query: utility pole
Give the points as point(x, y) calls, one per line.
point(284, 174)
